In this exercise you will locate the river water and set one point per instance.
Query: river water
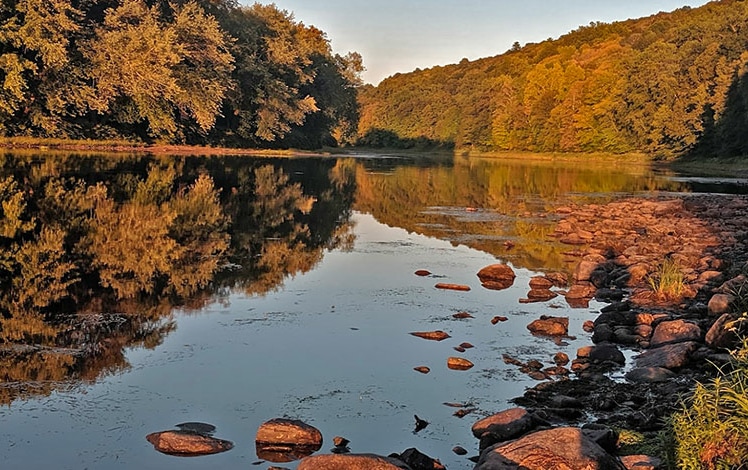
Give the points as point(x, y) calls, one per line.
point(308, 313)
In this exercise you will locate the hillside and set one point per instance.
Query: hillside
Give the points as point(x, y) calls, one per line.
point(668, 84)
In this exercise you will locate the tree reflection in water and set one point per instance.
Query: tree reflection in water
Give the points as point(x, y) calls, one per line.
point(96, 252)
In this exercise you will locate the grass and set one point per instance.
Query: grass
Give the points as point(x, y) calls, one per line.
point(668, 281)
point(710, 432)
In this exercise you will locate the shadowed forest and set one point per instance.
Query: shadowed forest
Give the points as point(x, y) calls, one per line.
point(184, 71)
point(670, 84)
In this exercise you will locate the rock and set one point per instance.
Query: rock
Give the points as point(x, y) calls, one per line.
point(437, 335)
point(497, 273)
point(417, 460)
point(498, 319)
point(459, 450)
point(641, 462)
point(561, 358)
point(541, 295)
point(720, 303)
point(339, 441)
point(605, 437)
point(563, 401)
point(422, 369)
point(722, 334)
point(560, 448)
point(197, 428)
point(187, 443)
point(550, 326)
point(540, 282)
point(669, 356)
point(607, 353)
point(674, 331)
point(447, 286)
point(584, 270)
point(581, 291)
point(462, 315)
point(458, 363)
point(288, 432)
point(421, 424)
point(466, 345)
point(588, 326)
point(422, 272)
point(505, 425)
point(649, 375)
point(558, 279)
point(351, 462)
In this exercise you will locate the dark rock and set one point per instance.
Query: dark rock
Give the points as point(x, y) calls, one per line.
point(351, 462)
point(421, 424)
point(669, 356)
point(458, 363)
point(649, 374)
point(422, 272)
point(459, 450)
point(602, 333)
point(604, 436)
point(550, 326)
point(437, 335)
point(674, 331)
point(422, 369)
point(197, 428)
point(722, 334)
point(599, 278)
point(466, 345)
point(560, 448)
point(563, 401)
point(607, 353)
point(417, 460)
point(187, 443)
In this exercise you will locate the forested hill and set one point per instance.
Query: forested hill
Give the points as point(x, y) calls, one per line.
point(666, 85)
point(195, 71)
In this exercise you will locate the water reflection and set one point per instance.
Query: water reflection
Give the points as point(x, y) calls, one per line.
point(95, 252)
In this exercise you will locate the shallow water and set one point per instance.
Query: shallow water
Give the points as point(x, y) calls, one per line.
point(329, 345)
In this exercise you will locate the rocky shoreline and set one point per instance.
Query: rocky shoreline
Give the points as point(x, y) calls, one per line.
point(676, 335)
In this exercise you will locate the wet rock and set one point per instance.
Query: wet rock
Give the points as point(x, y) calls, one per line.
point(641, 462)
point(459, 349)
point(588, 326)
point(512, 360)
point(540, 282)
point(558, 279)
point(462, 315)
point(459, 363)
point(603, 436)
point(197, 428)
point(669, 356)
point(351, 462)
point(423, 272)
point(603, 333)
point(585, 269)
point(563, 401)
point(674, 331)
point(437, 335)
point(417, 460)
point(561, 358)
point(505, 425)
point(421, 424)
point(422, 369)
point(187, 443)
point(607, 353)
point(448, 286)
point(720, 303)
point(722, 334)
point(566, 448)
point(498, 319)
point(581, 291)
point(649, 375)
point(339, 441)
point(288, 432)
point(497, 274)
point(550, 326)
point(541, 295)
point(459, 450)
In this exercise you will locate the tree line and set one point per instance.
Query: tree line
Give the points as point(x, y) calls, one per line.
point(180, 71)
point(667, 85)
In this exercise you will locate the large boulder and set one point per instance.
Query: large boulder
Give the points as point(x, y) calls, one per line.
point(282, 432)
point(560, 448)
point(187, 443)
point(351, 462)
point(675, 331)
point(497, 276)
point(669, 356)
point(505, 425)
point(722, 334)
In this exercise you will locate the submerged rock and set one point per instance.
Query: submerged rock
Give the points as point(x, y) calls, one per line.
point(351, 462)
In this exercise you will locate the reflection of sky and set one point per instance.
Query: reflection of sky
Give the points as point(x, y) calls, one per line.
point(331, 348)
point(399, 36)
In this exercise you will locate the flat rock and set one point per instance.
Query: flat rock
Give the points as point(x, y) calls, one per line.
point(351, 462)
point(641, 462)
point(288, 432)
point(675, 331)
point(550, 326)
point(559, 448)
point(437, 335)
point(459, 363)
point(187, 443)
point(448, 286)
point(669, 356)
point(649, 374)
point(505, 425)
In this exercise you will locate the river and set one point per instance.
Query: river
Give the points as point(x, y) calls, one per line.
point(143, 292)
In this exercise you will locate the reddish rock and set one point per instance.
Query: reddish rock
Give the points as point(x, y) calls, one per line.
point(466, 345)
point(584, 270)
point(540, 282)
point(288, 432)
point(641, 462)
point(422, 369)
point(459, 363)
point(720, 303)
point(459, 450)
point(351, 462)
point(581, 291)
point(559, 448)
point(722, 333)
point(669, 356)
point(675, 331)
point(187, 443)
point(422, 272)
point(505, 425)
point(462, 315)
point(437, 335)
point(541, 295)
point(496, 272)
point(558, 279)
point(448, 286)
point(498, 319)
point(561, 358)
point(550, 326)
point(588, 326)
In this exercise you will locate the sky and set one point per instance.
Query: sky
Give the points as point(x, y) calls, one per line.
point(402, 35)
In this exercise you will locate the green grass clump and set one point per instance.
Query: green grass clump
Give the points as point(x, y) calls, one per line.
point(668, 281)
point(710, 432)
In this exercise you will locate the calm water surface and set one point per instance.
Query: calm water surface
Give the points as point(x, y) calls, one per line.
point(309, 315)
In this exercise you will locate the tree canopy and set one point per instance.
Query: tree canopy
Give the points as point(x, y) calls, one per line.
point(193, 71)
point(661, 85)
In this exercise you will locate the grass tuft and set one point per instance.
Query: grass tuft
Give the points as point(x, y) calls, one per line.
point(668, 281)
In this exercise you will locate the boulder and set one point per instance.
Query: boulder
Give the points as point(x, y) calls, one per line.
point(649, 374)
point(351, 462)
point(607, 353)
point(282, 432)
point(669, 356)
point(496, 276)
point(505, 425)
point(674, 331)
point(722, 334)
point(560, 448)
point(550, 326)
point(720, 303)
point(187, 443)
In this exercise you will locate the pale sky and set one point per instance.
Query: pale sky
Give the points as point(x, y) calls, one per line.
point(402, 35)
